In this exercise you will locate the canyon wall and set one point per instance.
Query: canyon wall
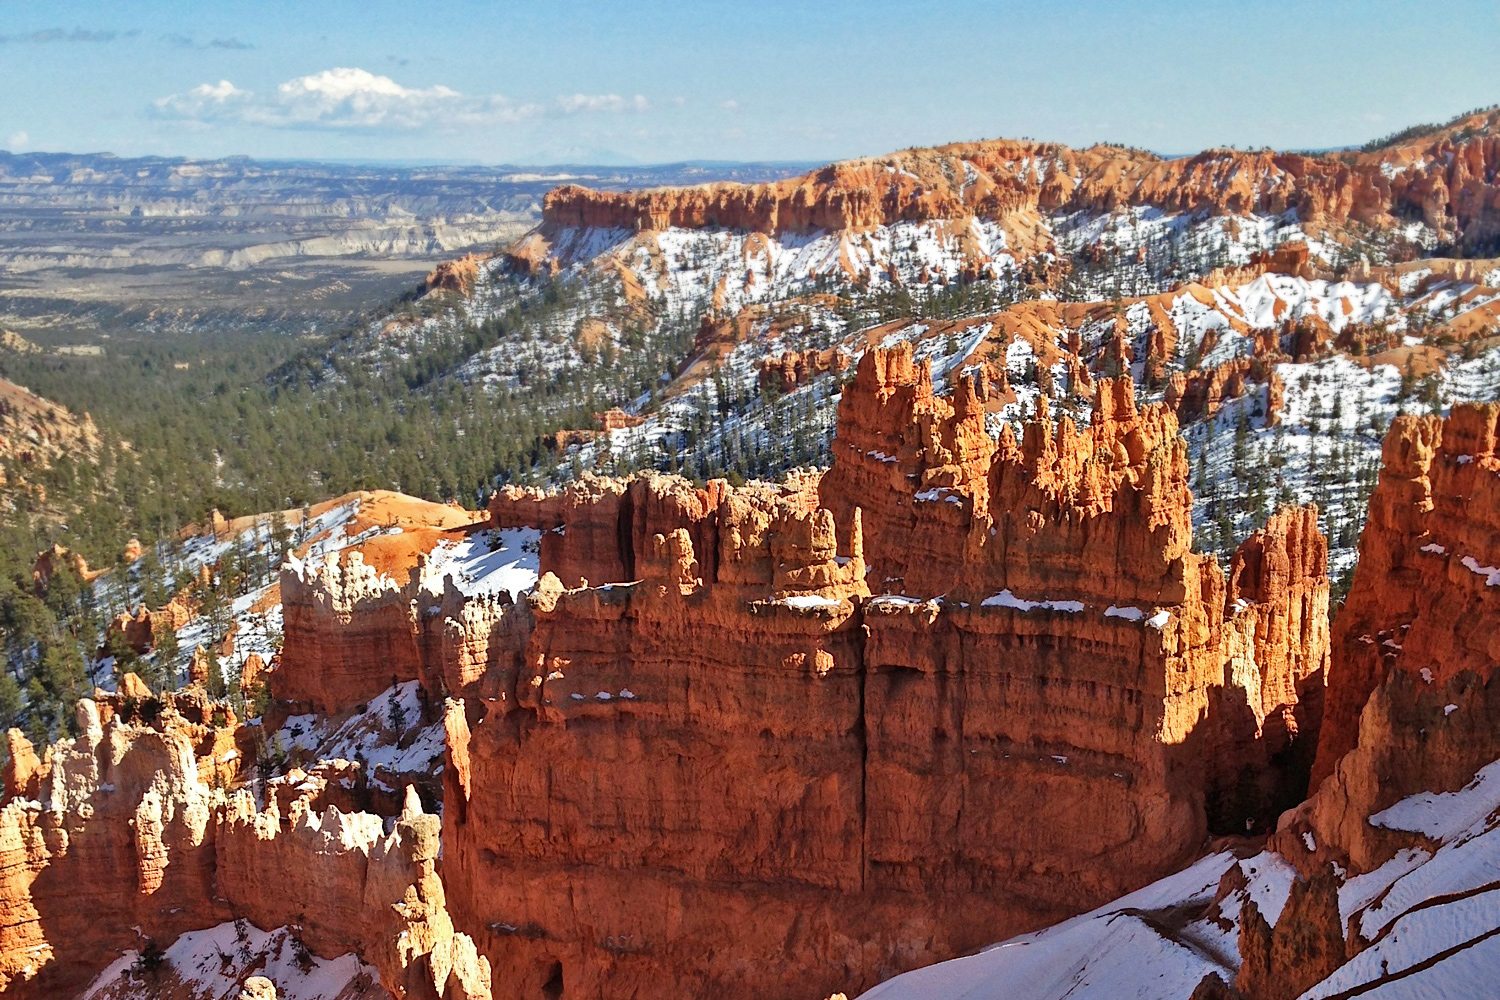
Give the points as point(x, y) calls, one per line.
point(1414, 696)
point(726, 764)
point(1379, 883)
point(121, 836)
point(773, 740)
point(342, 618)
point(1413, 709)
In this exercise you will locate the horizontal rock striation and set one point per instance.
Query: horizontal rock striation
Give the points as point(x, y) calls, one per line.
point(1425, 590)
point(724, 763)
point(1413, 695)
point(350, 632)
point(1379, 882)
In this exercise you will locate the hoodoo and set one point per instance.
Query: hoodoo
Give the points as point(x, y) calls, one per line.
point(1049, 699)
point(1382, 879)
point(131, 841)
point(997, 570)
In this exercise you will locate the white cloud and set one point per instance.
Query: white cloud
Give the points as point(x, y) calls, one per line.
point(730, 105)
point(612, 103)
point(17, 141)
point(207, 100)
point(353, 98)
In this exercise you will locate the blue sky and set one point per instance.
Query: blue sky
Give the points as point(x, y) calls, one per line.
point(648, 81)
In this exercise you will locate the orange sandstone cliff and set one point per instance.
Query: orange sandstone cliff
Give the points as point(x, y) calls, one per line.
point(1413, 698)
point(772, 740)
point(724, 763)
point(1379, 883)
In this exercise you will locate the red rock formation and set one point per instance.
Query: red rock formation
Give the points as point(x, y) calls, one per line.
point(358, 888)
point(1447, 179)
point(127, 842)
point(22, 768)
point(597, 528)
point(349, 633)
point(1430, 720)
point(456, 275)
point(615, 419)
point(1413, 693)
point(140, 630)
point(51, 560)
point(699, 663)
point(1278, 599)
point(724, 751)
point(1420, 599)
point(1304, 947)
point(1201, 393)
point(612, 419)
point(133, 688)
point(121, 838)
point(1413, 702)
point(790, 369)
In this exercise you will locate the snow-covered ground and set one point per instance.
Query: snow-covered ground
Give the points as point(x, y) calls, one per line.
point(256, 615)
point(394, 735)
point(487, 562)
point(212, 964)
point(1119, 952)
point(1146, 250)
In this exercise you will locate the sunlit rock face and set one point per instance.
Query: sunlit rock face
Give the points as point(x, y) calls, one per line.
point(776, 740)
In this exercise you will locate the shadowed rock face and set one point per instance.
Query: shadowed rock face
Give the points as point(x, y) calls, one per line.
point(766, 740)
point(1378, 881)
point(729, 765)
point(1413, 697)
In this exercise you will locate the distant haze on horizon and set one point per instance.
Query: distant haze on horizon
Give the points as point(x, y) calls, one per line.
point(657, 82)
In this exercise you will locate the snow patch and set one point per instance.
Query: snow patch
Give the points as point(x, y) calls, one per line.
point(1006, 599)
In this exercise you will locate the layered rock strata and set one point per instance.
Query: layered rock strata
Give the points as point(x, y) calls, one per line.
point(778, 739)
point(1414, 696)
point(724, 762)
point(1413, 710)
point(1381, 882)
point(1426, 587)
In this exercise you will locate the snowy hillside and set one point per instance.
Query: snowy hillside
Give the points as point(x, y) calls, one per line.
point(1427, 917)
point(1322, 443)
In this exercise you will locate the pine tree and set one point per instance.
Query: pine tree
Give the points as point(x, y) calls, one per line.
point(10, 700)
